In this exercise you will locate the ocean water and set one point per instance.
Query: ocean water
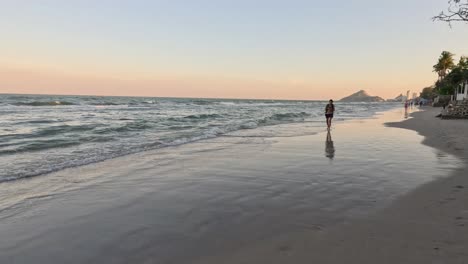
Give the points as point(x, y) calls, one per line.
point(40, 134)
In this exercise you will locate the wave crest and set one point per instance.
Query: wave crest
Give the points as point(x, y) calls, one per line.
point(43, 103)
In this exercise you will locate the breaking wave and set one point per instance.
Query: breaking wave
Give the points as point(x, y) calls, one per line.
point(36, 141)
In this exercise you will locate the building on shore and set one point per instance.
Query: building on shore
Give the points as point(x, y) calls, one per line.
point(461, 93)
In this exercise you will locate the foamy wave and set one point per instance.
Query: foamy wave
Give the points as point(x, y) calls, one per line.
point(40, 103)
point(35, 141)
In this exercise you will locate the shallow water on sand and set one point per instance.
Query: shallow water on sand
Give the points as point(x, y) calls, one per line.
point(176, 204)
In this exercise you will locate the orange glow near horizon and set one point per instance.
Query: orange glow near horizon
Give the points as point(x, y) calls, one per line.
point(21, 80)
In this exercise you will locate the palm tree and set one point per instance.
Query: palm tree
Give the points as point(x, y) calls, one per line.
point(450, 82)
point(444, 64)
point(463, 62)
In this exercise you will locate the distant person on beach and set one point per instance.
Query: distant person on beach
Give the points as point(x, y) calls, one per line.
point(420, 103)
point(329, 110)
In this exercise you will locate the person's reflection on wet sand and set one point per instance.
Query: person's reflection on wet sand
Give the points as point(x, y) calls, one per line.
point(406, 113)
point(329, 148)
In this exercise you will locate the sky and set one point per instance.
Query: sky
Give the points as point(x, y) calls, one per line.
point(289, 49)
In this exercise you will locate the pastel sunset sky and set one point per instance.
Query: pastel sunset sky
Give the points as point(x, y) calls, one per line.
point(295, 49)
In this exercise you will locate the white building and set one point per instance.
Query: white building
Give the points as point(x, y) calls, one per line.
point(462, 92)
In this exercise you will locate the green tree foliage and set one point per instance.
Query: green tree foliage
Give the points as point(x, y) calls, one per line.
point(447, 84)
point(444, 64)
point(427, 93)
point(443, 87)
point(463, 62)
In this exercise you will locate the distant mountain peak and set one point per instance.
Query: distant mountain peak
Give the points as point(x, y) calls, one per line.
point(360, 93)
point(362, 96)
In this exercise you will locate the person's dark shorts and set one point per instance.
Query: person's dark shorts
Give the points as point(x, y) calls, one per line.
point(329, 115)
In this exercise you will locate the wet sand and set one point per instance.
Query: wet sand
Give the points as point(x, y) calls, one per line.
point(428, 225)
point(247, 199)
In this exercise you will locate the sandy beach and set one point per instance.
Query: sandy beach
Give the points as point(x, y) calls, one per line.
point(366, 193)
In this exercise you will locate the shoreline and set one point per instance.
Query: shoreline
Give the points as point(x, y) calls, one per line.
point(436, 130)
point(427, 225)
point(259, 200)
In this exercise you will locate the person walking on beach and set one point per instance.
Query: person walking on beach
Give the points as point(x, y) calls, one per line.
point(329, 110)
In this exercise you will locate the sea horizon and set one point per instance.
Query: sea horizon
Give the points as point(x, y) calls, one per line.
point(176, 97)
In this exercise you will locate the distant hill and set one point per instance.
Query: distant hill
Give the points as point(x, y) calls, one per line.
point(399, 98)
point(362, 96)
